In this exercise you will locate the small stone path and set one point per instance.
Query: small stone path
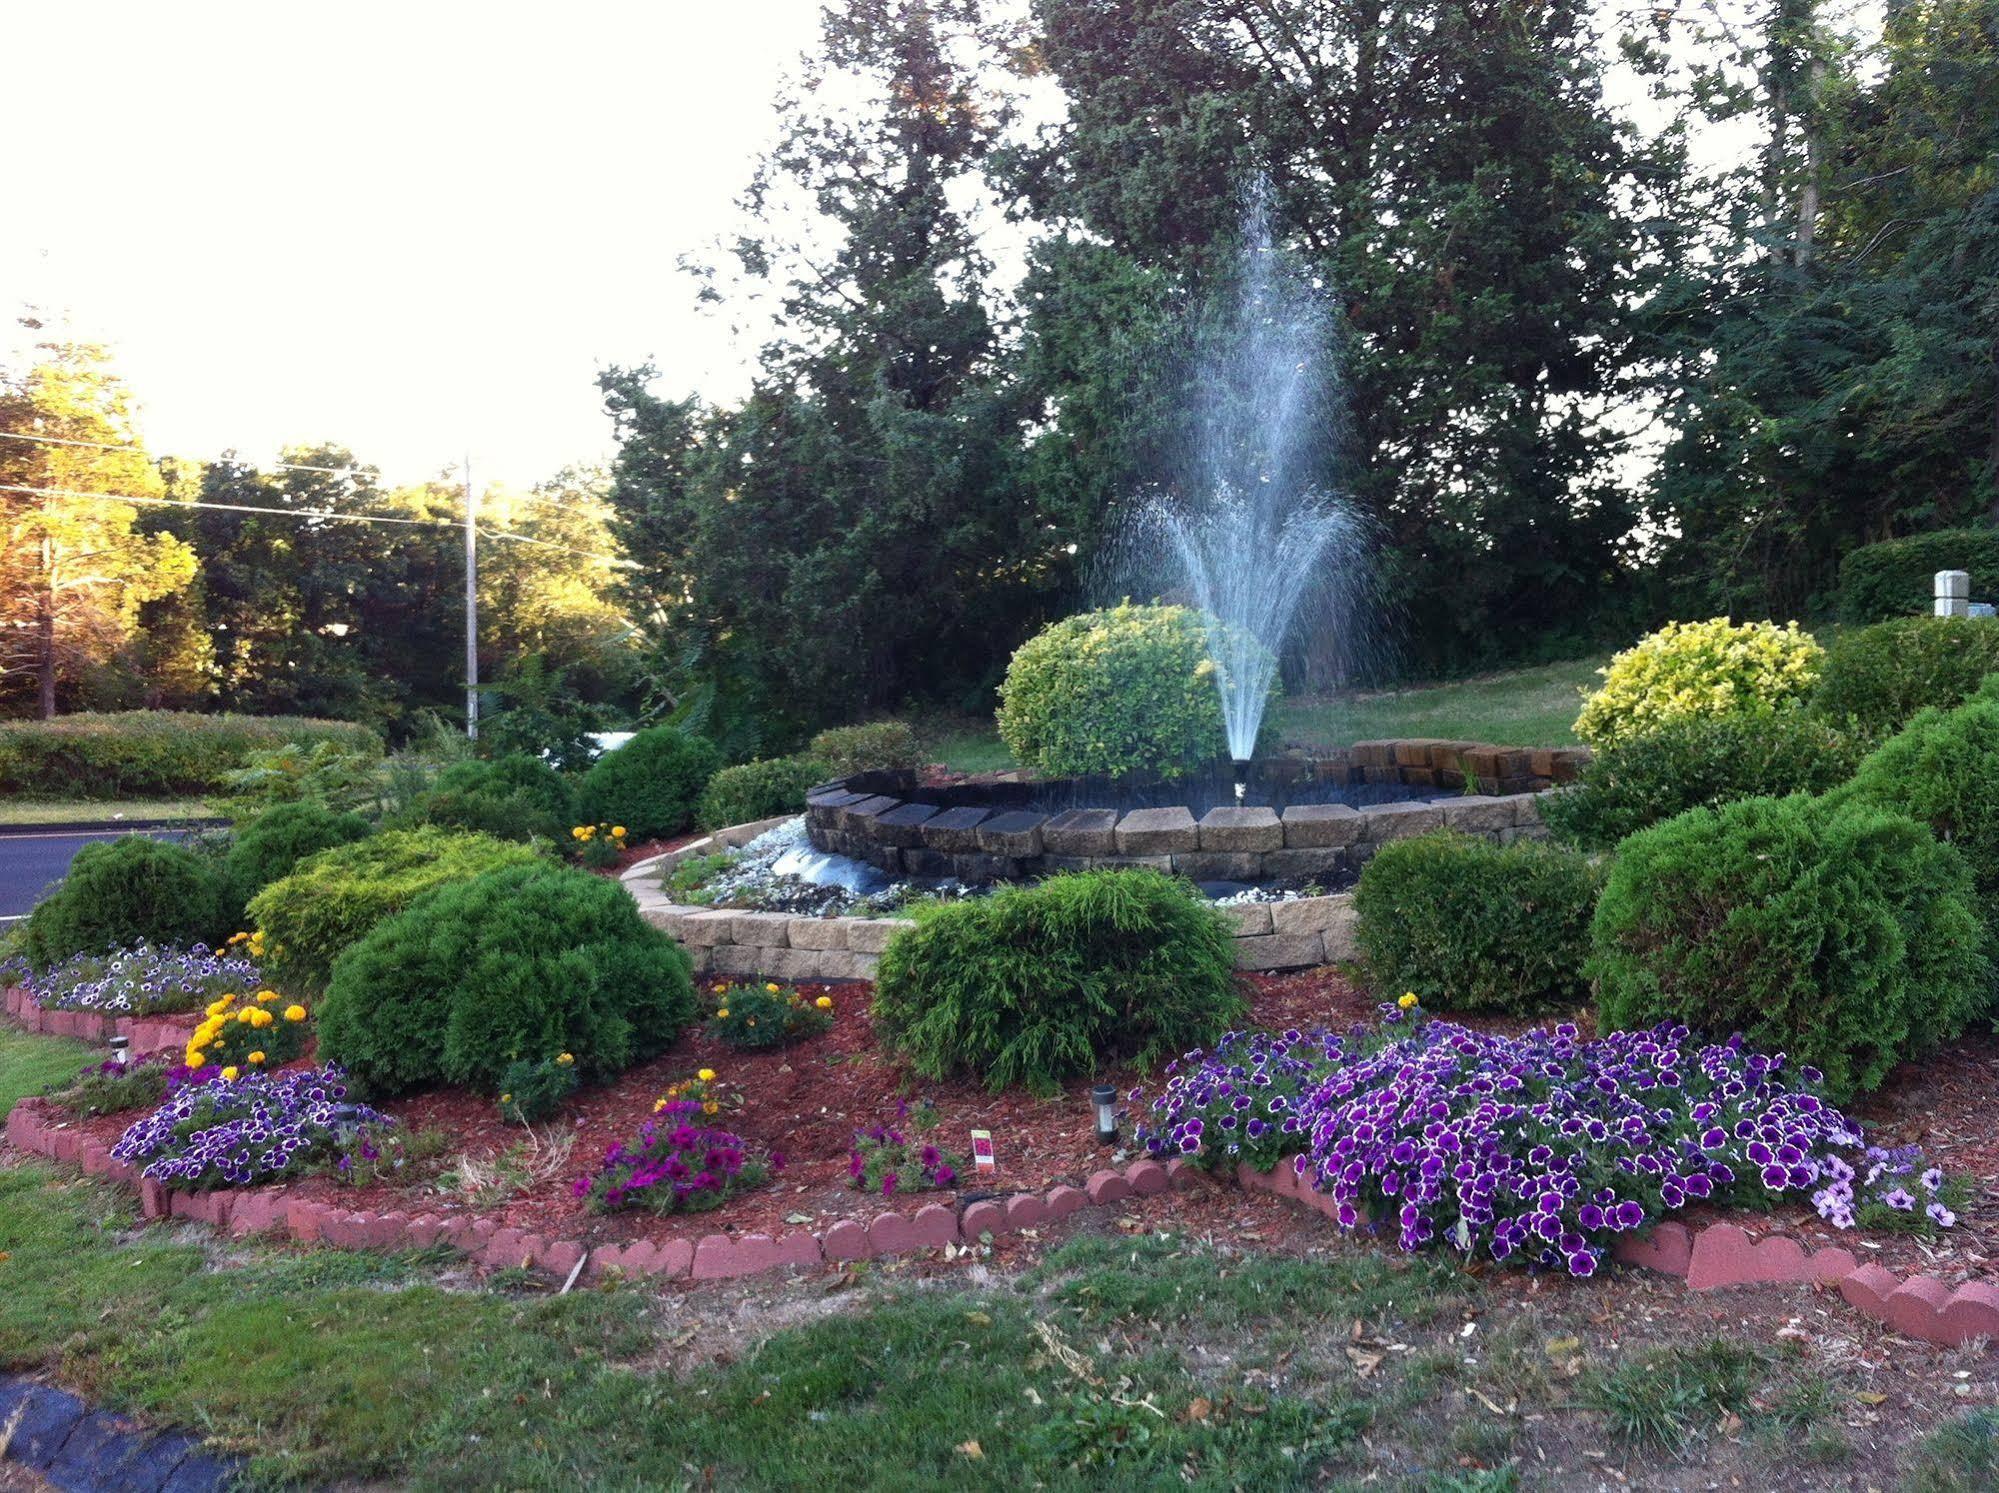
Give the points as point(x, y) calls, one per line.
point(57, 1435)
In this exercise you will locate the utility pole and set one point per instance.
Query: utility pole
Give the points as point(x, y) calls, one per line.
point(471, 608)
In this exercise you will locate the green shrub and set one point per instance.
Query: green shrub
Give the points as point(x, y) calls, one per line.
point(1701, 763)
point(152, 753)
point(1036, 982)
point(321, 773)
point(1129, 690)
point(521, 964)
point(271, 845)
point(760, 790)
point(875, 746)
point(1473, 926)
point(1897, 578)
point(1943, 769)
point(333, 898)
point(1694, 669)
point(1839, 933)
point(1880, 676)
point(516, 797)
point(123, 892)
point(651, 783)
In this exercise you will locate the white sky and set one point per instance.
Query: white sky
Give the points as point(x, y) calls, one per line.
point(417, 228)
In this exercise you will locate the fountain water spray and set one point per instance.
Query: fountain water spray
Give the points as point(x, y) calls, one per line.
point(1252, 537)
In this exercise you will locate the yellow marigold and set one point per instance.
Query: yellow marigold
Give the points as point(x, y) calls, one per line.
point(565, 1059)
point(771, 988)
point(618, 830)
point(194, 1058)
point(723, 1013)
point(581, 832)
point(216, 1008)
point(265, 997)
point(706, 1075)
point(294, 1013)
point(710, 1107)
point(824, 1003)
point(658, 1105)
point(506, 1099)
point(1408, 1000)
point(255, 1057)
point(230, 1073)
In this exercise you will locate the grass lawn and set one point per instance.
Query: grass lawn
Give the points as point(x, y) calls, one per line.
point(29, 1064)
point(44, 811)
point(1117, 1359)
point(1521, 707)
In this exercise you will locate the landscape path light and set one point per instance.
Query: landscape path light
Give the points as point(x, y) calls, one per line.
point(1104, 1097)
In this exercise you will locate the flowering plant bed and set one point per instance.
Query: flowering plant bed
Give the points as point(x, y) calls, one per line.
point(257, 1128)
point(145, 980)
point(1544, 1145)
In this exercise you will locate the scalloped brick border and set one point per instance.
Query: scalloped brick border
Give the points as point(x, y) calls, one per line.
point(1723, 1256)
point(145, 1033)
point(33, 1127)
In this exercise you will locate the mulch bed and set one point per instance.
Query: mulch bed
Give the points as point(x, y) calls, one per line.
point(806, 1101)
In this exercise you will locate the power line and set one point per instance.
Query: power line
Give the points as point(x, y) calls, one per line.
point(356, 518)
point(118, 497)
point(273, 466)
point(617, 560)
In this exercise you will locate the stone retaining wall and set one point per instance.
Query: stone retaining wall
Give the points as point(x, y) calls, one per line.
point(908, 831)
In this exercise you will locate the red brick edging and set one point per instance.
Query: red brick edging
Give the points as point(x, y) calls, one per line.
point(1723, 1255)
point(1720, 1256)
point(34, 1126)
point(145, 1033)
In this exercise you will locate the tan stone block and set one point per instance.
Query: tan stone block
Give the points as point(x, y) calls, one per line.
point(1400, 821)
point(1477, 813)
point(1279, 951)
point(818, 933)
point(1314, 826)
point(1157, 832)
point(1241, 829)
point(872, 935)
point(770, 930)
point(1310, 914)
point(1248, 917)
point(703, 929)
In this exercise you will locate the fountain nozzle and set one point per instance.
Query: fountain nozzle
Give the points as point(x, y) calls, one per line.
point(1241, 770)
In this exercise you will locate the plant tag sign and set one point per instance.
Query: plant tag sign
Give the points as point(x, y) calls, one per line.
point(982, 1150)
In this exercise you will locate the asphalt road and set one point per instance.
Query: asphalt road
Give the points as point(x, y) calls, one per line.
point(33, 860)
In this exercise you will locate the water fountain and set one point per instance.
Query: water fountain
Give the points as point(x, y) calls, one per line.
point(1251, 533)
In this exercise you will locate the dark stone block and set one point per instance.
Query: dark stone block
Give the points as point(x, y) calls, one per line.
point(1081, 832)
point(107, 1453)
point(926, 862)
point(883, 857)
point(201, 1473)
point(903, 825)
point(1304, 863)
point(1221, 865)
point(975, 868)
point(858, 817)
point(1057, 865)
point(48, 1416)
point(832, 796)
point(1015, 834)
point(953, 829)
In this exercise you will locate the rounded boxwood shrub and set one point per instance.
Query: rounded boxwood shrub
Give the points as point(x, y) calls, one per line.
point(1897, 578)
point(333, 898)
point(516, 797)
point(1690, 669)
point(1473, 926)
point(1841, 934)
point(1129, 690)
point(269, 846)
point(1880, 676)
point(519, 965)
point(1943, 768)
point(759, 790)
point(651, 783)
point(1644, 780)
point(874, 746)
point(123, 892)
point(1037, 982)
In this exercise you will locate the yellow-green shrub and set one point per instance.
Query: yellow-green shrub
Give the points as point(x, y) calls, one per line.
point(1126, 690)
point(1691, 670)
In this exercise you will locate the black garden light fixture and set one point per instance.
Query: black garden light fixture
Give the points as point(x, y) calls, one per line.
point(121, 1050)
point(1104, 1097)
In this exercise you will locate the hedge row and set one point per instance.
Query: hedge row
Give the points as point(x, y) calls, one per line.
point(152, 753)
